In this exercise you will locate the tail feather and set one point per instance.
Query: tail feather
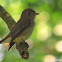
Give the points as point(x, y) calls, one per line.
point(0, 42)
point(4, 39)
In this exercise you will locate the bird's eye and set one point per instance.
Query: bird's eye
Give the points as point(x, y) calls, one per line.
point(28, 13)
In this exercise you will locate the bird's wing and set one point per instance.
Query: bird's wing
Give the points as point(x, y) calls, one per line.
point(17, 28)
point(11, 32)
point(24, 25)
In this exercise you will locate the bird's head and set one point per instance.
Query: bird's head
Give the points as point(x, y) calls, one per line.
point(29, 13)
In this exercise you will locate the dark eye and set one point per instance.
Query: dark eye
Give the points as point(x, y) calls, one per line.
point(28, 13)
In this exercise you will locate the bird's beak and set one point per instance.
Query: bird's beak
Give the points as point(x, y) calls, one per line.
point(37, 13)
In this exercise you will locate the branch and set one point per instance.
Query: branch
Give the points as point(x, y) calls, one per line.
point(23, 50)
point(6, 17)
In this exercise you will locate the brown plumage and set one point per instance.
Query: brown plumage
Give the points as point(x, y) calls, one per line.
point(22, 29)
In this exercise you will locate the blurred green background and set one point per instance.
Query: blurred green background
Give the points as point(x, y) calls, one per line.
point(46, 40)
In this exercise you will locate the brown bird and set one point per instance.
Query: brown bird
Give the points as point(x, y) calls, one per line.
point(22, 29)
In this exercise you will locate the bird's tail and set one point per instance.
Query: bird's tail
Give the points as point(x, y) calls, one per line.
point(0, 42)
point(4, 39)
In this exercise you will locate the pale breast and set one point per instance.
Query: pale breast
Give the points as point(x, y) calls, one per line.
point(27, 33)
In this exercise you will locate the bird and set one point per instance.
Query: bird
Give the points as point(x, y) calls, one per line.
point(22, 30)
